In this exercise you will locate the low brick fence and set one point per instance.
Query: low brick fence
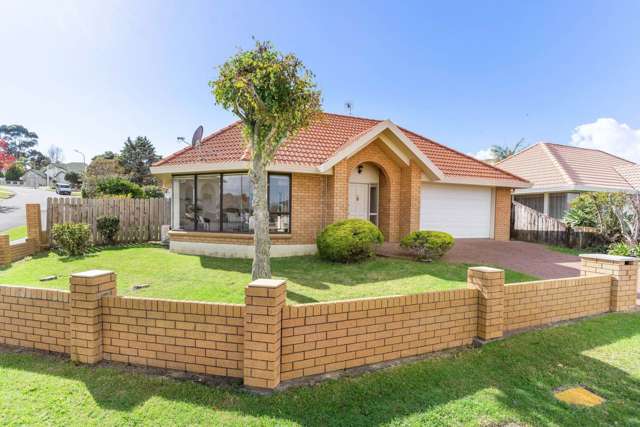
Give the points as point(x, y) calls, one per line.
point(35, 241)
point(265, 341)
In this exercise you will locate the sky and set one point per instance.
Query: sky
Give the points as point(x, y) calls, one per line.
point(86, 75)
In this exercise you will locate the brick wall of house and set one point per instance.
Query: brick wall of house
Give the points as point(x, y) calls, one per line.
point(186, 336)
point(549, 301)
point(321, 338)
point(34, 318)
point(502, 218)
point(410, 199)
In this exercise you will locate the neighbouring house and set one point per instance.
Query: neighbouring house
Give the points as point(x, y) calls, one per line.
point(339, 167)
point(34, 178)
point(559, 173)
point(55, 172)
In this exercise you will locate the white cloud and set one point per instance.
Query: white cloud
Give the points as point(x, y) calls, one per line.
point(609, 135)
point(483, 154)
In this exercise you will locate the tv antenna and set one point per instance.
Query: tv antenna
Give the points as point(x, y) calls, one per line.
point(349, 107)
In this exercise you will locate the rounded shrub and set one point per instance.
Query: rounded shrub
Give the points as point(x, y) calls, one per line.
point(152, 192)
point(350, 240)
point(71, 239)
point(108, 227)
point(427, 245)
point(116, 186)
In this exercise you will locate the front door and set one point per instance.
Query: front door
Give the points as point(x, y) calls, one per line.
point(359, 201)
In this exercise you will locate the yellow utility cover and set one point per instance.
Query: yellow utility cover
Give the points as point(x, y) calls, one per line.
point(579, 396)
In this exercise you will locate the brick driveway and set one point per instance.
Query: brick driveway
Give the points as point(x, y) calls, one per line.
point(530, 258)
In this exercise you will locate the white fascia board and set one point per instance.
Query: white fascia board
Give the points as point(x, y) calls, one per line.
point(573, 188)
point(363, 140)
point(231, 166)
point(484, 182)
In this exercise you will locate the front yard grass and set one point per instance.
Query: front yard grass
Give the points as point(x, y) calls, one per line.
point(15, 233)
point(201, 278)
point(5, 193)
point(508, 382)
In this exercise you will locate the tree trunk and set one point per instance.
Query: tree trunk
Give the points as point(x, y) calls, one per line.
point(261, 262)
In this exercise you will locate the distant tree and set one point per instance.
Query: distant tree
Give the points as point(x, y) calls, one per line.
point(37, 160)
point(6, 158)
point(15, 172)
point(274, 95)
point(73, 178)
point(136, 158)
point(500, 152)
point(109, 155)
point(104, 168)
point(19, 138)
point(55, 154)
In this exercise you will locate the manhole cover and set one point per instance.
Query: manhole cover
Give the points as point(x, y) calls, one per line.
point(578, 396)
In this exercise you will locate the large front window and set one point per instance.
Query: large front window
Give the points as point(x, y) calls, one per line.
point(223, 203)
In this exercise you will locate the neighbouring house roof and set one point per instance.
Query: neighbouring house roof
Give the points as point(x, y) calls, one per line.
point(36, 172)
point(332, 137)
point(69, 167)
point(555, 167)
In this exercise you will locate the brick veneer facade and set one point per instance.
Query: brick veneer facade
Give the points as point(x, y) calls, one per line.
point(502, 214)
point(267, 341)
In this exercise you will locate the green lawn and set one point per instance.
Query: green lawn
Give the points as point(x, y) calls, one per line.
point(509, 381)
point(15, 233)
point(201, 278)
point(5, 193)
point(565, 250)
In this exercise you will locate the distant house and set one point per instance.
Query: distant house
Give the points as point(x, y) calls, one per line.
point(559, 173)
point(34, 178)
point(55, 172)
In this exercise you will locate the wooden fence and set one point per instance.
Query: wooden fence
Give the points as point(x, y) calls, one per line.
point(530, 225)
point(140, 219)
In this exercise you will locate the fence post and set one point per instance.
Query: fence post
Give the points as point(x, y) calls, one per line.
point(490, 284)
point(264, 299)
point(85, 303)
point(624, 277)
point(5, 250)
point(34, 225)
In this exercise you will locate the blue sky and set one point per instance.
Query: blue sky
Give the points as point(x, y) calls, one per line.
point(85, 75)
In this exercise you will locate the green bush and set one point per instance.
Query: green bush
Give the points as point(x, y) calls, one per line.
point(108, 227)
point(152, 192)
point(115, 186)
point(350, 240)
point(15, 172)
point(427, 245)
point(624, 249)
point(71, 239)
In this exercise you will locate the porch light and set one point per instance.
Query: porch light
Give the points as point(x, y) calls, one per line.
point(360, 169)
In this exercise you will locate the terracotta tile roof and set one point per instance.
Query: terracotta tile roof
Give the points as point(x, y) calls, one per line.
point(555, 165)
point(321, 140)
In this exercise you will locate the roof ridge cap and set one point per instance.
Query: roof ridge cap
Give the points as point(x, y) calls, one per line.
point(557, 164)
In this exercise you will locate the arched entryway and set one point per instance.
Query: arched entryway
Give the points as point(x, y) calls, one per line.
point(364, 192)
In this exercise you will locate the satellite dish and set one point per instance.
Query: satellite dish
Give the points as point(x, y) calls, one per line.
point(197, 136)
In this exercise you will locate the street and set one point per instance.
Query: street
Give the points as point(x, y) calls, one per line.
point(12, 210)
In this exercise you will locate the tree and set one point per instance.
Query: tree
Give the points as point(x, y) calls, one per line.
point(15, 172)
point(36, 159)
point(500, 152)
point(109, 155)
point(73, 178)
point(19, 138)
point(275, 96)
point(55, 154)
point(6, 158)
point(104, 168)
point(136, 158)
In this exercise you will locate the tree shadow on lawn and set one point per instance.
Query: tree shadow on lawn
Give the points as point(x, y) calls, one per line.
point(521, 373)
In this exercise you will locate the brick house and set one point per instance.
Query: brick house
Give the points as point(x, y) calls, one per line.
point(339, 167)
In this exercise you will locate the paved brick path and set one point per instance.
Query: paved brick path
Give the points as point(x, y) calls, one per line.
point(529, 258)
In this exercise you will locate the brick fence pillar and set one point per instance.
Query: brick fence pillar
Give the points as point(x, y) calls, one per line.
point(5, 250)
point(264, 299)
point(34, 225)
point(490, 282)
point(87, 290)
point(624, 277)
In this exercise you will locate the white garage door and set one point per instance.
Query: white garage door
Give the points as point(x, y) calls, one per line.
point(460, 210)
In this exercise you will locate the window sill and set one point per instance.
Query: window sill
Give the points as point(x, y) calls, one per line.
point(217, 234)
